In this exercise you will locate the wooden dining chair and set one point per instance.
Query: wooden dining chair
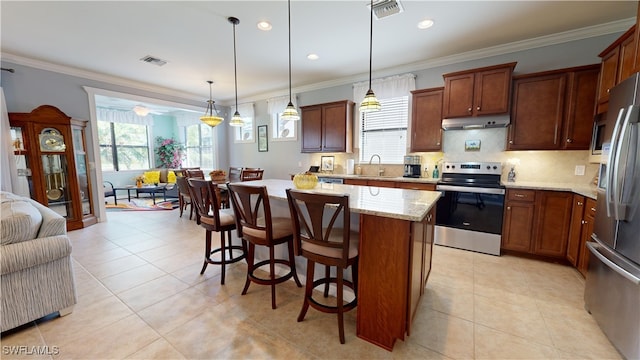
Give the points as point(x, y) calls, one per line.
point(235, 174)
point(251, 174)
point(320, 238)
point(205, 195)
point(184, 197)
point(256, 226)
point(194, 173)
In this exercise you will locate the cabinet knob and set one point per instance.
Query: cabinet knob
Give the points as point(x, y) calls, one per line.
point(510, 141)
point(608, 90)
point(469, 109)
point(593, 209)
point(508, 207)
point(438, 143)
point(584, 222)
point(579, 203)
point(478, 108)
point(519, 195)
point(569, 140)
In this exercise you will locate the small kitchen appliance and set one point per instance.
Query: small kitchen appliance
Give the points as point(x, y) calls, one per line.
point(412, 166)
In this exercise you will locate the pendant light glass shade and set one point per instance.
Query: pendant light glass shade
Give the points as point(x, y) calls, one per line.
point(290, 112)
point(370, 102)
point(210, 116)
point(236, 119)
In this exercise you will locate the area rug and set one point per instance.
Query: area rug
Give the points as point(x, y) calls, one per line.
point(143, 205)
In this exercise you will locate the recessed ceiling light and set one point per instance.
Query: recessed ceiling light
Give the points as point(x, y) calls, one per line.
point(425, 24)
point(313, 57)
point(264, 25)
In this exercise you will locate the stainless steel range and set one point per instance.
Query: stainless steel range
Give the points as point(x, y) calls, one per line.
point(469, 214)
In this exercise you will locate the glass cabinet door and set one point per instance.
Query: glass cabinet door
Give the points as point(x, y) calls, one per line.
point(24, 184)
point(81, 171)
point(56, 180)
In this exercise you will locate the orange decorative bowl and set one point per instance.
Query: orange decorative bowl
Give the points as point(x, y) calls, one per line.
point(305, 180)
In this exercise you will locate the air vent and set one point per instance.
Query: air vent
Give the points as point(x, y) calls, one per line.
point(153, 60)
point(384, 8)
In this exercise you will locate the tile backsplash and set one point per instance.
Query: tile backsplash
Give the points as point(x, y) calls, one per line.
point(537, 166)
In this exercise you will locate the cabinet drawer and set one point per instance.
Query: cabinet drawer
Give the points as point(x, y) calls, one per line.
point(590, 208)
point(521, 195)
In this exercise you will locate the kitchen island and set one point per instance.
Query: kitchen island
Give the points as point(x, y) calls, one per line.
point(396, 239)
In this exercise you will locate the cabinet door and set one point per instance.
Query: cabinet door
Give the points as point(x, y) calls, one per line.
point(458, 96)
point(428, 247)
point(361, 182)
point(381, 183)
point(517, 227)
point(627, 53)
point(553, 218)
point(311, 129)
point(415, 186)
point(608, 74)
point(491, 92)
point(538, 110)
point(575, 231)
point(578, 125)
point(587, 230)
point(426, 120)
point(636, 65)
point(334, 127)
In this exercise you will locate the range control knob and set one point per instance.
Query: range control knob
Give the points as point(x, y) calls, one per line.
point(488, 167)
point(495, 167)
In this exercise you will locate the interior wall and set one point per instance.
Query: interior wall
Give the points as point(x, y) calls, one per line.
point(29, 87)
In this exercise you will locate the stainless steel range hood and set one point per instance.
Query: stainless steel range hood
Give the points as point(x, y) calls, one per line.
point(479, 122)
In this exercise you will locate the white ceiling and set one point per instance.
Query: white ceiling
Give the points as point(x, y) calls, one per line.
point(106, 39)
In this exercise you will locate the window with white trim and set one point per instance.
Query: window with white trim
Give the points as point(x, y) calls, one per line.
point(246, 132)
point(199, 147)
point(384, 132)
point(281, 130)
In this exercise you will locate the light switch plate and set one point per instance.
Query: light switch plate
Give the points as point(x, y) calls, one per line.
point(579, 170)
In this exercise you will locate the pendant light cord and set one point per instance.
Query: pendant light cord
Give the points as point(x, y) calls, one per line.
point(289, 11)
point(370, 43)
point(235, 67)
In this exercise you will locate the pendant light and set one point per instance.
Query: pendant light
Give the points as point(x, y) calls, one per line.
point(290, 112)
point(370, 103)
point(236, 120)
point(210, 116)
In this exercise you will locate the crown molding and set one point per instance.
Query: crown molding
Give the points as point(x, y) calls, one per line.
point(554, 39)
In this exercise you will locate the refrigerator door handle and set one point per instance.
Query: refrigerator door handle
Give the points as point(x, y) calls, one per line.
point(594, 248)
point(611, 185)
point(619, 208)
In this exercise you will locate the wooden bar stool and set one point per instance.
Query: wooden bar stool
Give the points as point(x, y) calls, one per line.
point(324, 243)
point(205, 195)
point(256, 226)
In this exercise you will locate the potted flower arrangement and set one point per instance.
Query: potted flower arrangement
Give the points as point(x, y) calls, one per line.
point(139, 180)
point(170, 152)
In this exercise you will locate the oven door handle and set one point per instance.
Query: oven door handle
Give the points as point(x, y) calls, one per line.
point(470, 189)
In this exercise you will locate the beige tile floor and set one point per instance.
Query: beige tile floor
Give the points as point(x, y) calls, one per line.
point(140, 296)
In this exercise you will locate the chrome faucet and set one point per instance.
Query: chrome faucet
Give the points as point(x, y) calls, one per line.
point(380, 169)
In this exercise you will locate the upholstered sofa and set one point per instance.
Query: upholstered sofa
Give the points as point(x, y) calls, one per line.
point(35, 259)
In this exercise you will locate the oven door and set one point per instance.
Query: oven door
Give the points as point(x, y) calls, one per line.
point(470, 218)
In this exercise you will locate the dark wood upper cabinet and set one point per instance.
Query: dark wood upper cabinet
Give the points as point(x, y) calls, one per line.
point(477, 92)
point(553, 110)
point(636, 63)
point(327, 127)
point(426, 120)
point(617, 64)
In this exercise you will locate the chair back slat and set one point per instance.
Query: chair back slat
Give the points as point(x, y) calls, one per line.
point(235, 174)
point(183, 186)
point(251, 174)
point(194, 173)
point(251, 205)
point(205, 195)
point(314, 219)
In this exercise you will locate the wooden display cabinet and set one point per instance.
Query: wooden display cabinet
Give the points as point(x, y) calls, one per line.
point(426, 120)
point(50, 148)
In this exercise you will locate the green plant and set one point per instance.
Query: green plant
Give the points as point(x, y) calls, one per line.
point(170, 152)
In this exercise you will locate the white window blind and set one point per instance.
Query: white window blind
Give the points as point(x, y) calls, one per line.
point(384, 132)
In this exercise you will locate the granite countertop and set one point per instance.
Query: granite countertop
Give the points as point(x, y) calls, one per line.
point(382, 178)
point(403, 204)
point(581, 189)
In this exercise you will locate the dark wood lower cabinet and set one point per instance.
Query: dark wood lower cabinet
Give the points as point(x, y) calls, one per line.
point(537, 222)
point(575, 232)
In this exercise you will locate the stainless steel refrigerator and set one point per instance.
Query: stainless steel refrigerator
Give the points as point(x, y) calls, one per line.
point(612, 290)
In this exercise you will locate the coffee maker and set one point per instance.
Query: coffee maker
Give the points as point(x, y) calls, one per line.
point(412, 166)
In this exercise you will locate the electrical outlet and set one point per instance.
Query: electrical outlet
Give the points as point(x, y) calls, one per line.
point(579, 170)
